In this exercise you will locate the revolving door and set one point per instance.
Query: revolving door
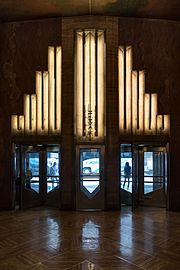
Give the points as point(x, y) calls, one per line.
point(143, 175)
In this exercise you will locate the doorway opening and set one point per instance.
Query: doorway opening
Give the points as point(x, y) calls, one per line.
point(37, 175)
point(143, 175)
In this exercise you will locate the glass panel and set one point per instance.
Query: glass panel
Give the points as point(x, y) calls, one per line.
point(32, 171)
point(126, 167)
point(91, 185)
point(53, 171)
point(148, 163)
point(89, 171)
point(153, 171)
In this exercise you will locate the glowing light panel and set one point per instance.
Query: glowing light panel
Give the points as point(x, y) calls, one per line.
point(138, 112)
point(89, 84)
point(42, 111)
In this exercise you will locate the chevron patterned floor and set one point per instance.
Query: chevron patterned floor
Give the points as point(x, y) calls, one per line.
point(42, 239)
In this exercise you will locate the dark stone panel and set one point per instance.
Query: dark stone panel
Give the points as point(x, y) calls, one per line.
point(156, 50)
point(67, 146)
point(112, 138)
point(24, 50)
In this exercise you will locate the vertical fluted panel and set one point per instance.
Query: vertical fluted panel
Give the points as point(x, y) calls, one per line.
point(147, 112)
point(128, 88)
point(51, 89)
point(121, 88)
point(141, 101)
point(166, 124)
point(79, 85)
point(45, 103)
point(33, 114)
point(153, 113)
point(89, 84)
point(58, 87)
point(100, 83)
point(134, 102)
point(39, 101)
point(27, 124)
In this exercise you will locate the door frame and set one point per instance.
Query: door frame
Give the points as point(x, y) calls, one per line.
point(155, 149)
point(152, 145)
point(83, 202)
point(49, 200)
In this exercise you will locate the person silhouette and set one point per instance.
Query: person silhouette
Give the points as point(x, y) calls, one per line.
point(28, 177)
point(127, 174)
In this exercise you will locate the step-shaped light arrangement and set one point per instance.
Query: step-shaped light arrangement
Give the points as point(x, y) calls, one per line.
point(42, 111)
point(138, 112)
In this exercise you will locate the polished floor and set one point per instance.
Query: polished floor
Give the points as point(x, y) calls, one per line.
point(42, 239)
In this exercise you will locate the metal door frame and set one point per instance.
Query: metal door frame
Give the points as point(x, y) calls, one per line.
point(140, 167)
point(42, 149)
point(79, 193)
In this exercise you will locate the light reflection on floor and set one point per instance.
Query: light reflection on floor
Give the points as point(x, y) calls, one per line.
point(53, 228)
point(86, 265)
point(90, 236)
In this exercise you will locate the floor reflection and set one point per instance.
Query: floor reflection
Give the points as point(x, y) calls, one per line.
point(148, 238)
point(126, 232)
point(53, 228)
point(90, 236)
point(86, 265)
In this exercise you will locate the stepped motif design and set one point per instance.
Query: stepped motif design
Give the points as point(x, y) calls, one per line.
point(138, 113)
point(42, 111)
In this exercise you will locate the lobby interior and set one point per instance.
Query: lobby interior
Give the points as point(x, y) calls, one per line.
point(89, 134)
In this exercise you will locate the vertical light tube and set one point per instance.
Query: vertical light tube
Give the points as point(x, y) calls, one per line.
point(58, 87)
point(134, 101)
point(87, 60)
point(153, 113)
point(93, 80)
point(27, 114)
point(21, 124)
point(147, 113)
point(39, 101)
point(159, 124)
point(121, 87)
point(128, 87)
point(100, 82)
point(79, 84)
point(33, 113)
point(166, 124)
point(141, 101)
point(14, 124)
point(17, 124)
point(51, 89)
point(45, 102)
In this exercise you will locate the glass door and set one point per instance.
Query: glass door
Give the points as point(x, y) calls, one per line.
point(154, 177)
point(40, 176)
point(143, 175)
point(30, 177)
point(52, 176)
point(89, 178)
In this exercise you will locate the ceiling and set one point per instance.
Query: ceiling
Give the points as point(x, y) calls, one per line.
point(15, 10)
